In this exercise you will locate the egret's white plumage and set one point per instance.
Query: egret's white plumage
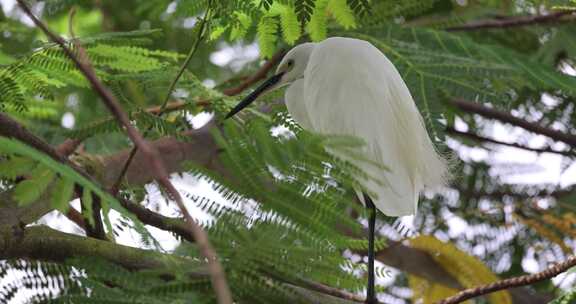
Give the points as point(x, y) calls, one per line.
point(347, 86)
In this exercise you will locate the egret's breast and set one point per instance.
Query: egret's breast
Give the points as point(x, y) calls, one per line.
point(295, 103)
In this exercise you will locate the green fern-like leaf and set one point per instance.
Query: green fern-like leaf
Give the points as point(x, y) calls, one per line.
point(342, 13)
point(317, 27)
point(29, 190)
point(47, 169)
point(304, 9)
point(290, 25)
point(267, 28)
point(62, 194)
point(240, 25)
point(360, 7)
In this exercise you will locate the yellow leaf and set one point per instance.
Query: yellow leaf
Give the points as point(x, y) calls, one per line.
point(468, 270)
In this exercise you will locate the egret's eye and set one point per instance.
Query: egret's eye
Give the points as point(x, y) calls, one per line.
point(290, 63)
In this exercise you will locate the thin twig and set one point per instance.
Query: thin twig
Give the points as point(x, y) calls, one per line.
point(512, 282)
point(479, 138)
point(233, 91)
point(95, 230)
point(511, 22)
point(171, 87)
point(328, 290)
point(477, 108)
point(318, 287)
point(498, 194)
point(216, 272)
point(259, 75)
point(176, 105)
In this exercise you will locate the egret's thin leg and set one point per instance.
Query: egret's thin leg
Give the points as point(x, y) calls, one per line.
point(370, 293)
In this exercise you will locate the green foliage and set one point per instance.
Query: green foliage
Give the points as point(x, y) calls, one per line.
point(342, 13)
point(48, 171)
point(28, 86)
point(30, 189)
point(304, 9)
point(360, 7)
point(290, 27)
point(267, 35)
point(272, 216)
point(100, 282)
point(566, 298)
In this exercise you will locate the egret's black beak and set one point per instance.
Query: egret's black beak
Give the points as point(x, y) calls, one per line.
point(264, 87)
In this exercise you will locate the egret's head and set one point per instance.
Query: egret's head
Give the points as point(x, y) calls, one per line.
point(291, 68)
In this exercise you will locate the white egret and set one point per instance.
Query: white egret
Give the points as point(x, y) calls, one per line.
point(346, 86)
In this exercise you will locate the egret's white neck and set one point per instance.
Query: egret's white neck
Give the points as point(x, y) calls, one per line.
point(295, 62)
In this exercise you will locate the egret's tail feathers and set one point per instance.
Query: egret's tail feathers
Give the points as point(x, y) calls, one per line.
point(435, 169)
point(392, 203)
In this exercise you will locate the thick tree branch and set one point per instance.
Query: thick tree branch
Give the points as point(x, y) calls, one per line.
point(11, 213)
point(45, 244)
point(512, 282)
point(477, 108)
point(515, 21)
point(10, 128)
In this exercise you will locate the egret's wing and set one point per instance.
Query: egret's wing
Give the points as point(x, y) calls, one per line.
point(351, 88)
point(295, 103)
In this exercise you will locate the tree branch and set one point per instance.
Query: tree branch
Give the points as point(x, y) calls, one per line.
point(217, 273)
point(201, 149)
point(10, 128)
point(157, 220)
point(328, 290)
point(479, 138)
point(12, 213)
point(164, 104)
point(259, 75)
point(512, 282)
point(45, 244)
point(513, 21)
point(476, 108)
point(498, 194)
